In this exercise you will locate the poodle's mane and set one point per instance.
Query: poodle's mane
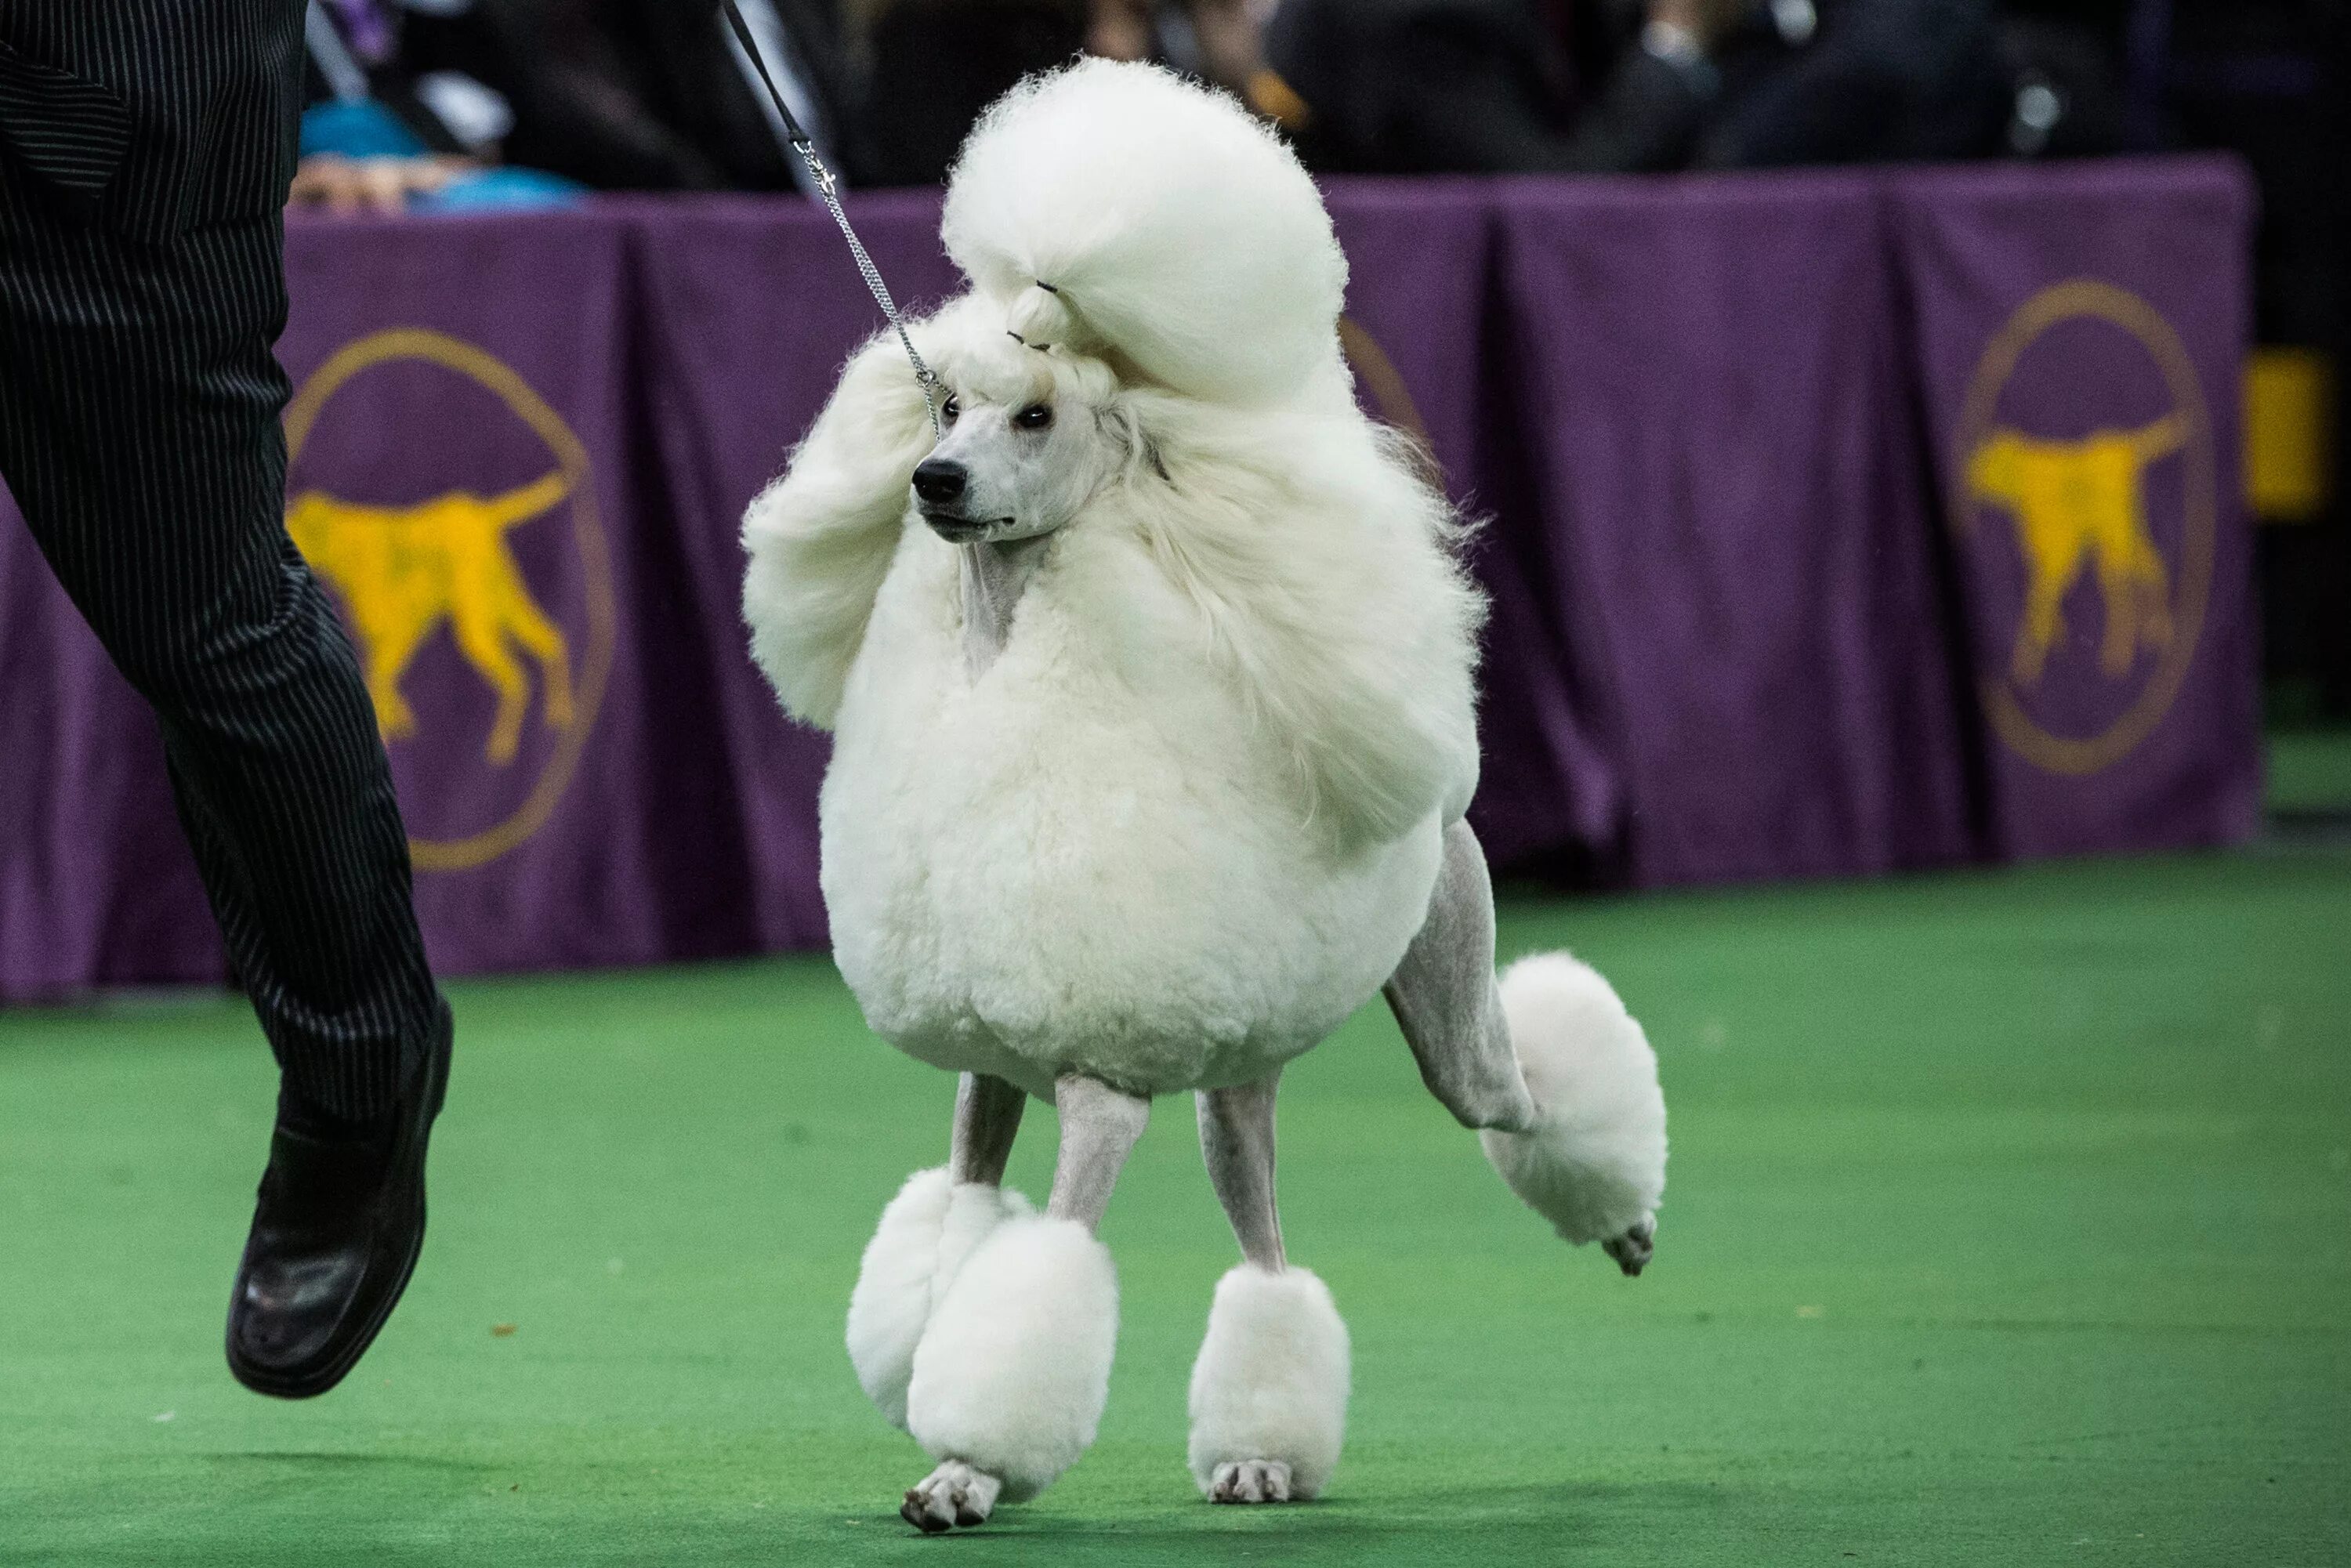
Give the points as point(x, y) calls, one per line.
point(1321, 564)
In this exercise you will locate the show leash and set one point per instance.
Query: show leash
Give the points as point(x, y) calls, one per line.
point(827, 186)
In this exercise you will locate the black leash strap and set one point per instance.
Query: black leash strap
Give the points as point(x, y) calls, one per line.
point(806, 147)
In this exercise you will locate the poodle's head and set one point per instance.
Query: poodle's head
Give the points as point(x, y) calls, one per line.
point(1031, 433)
point(1130, 237)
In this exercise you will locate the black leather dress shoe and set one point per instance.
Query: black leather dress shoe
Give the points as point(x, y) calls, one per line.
point(335, 1236)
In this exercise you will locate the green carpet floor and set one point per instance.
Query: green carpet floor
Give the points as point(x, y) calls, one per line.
point(2309, 770)
point(2010, 1222)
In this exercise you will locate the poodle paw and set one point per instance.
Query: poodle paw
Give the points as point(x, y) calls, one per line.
point(1250, 1480)
point(953, 1494)
point(1633, 1249)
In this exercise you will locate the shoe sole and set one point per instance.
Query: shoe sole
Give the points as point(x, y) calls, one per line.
point(317, 1383)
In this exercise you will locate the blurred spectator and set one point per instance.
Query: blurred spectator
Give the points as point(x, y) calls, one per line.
point(1221, 41)
point(398, 109)
point(929, 66)
point(683, 107)
point(470, 103)
point(2063, 60)
point(1408, 85)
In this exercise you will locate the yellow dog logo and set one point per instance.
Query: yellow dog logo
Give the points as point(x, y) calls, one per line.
point(2077, 505)
point(2087, 506)
point(405, 570)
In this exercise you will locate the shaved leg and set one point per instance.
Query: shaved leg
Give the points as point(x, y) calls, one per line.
point(1447, 1003)
point(1236, 1140)
point(1274, 1341)
point(1099, 1127)
point(987, 1118)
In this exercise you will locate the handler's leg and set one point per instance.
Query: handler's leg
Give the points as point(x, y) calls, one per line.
point(138, 432)
point(1269, 1388)
point(1012, 1373)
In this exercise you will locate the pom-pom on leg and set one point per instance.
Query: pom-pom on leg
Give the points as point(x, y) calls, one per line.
point(1269, 1388)
point(926, 1235)
point(1595, 1163)
point(1011, 1377)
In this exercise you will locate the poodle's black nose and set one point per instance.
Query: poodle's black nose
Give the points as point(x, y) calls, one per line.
point(939, 481)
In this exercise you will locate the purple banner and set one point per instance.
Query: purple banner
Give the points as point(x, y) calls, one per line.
point(1782, 476)
point(461, 473)
point(2079, 339)
point(1732, 532)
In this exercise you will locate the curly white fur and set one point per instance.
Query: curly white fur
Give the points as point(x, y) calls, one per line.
point(1168, 226)
point(1013, 1373)
point(925, 1234)
point(1271, 1379)
point(1595, 1167)
point(819, 538)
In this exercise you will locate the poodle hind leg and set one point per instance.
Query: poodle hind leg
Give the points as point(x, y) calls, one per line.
point(1269, 1400)
point(1010, 1380)
point(1545, 1062)
point(987, 1120)
point(1445, 1001)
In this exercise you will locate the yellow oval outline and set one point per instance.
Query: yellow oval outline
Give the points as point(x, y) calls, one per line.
point(2077, 756)
point(501, 381)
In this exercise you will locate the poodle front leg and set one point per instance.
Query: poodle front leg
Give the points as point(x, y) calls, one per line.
point(1269, 1388)
point(1236, 1140)
point(1010, 1378)
point(1445, 1001)
point(1099, 1125)
point(987, 1118)
point(935, 1222)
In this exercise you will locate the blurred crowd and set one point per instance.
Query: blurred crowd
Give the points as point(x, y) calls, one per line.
point(441, 104)
point(421, 98)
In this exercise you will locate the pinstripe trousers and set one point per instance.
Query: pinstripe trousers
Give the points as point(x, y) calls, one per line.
point(140, 295)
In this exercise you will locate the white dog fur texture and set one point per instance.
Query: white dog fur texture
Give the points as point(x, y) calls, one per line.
point(1595, 1167)
point(1270, 1384)
point(1154, 723)
point(925, 1234)
point(1012, 1376)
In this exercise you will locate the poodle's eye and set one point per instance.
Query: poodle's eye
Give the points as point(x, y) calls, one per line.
point(1036, 416)
point(952, 409)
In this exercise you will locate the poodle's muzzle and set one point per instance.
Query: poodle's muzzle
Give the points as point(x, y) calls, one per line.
point(940, 486)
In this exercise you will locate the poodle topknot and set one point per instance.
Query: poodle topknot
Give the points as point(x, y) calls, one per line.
point(1125, 212)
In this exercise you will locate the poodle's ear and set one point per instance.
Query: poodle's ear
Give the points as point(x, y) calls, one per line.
point(1127, 424)
point(821, 539)
point(1319, 561)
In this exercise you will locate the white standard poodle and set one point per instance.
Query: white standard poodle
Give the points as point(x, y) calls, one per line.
point(1150, 684)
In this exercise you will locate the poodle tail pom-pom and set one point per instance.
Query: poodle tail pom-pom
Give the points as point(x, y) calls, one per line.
point(1595, 1163)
